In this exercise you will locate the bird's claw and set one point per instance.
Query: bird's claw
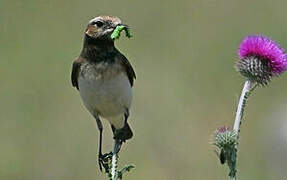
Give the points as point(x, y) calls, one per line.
point(104, 161)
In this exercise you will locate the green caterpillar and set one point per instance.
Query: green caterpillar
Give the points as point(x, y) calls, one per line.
point(117, 32)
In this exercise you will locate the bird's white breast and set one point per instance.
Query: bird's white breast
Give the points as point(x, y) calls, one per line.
point(108, 94)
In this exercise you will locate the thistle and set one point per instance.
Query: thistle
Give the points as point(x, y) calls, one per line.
point(260, 60)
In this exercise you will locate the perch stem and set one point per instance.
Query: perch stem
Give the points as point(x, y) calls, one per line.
point(114, 170)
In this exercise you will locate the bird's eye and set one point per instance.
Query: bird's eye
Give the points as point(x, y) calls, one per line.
point(98, 23)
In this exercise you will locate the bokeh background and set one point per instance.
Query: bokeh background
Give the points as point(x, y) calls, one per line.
point(183, 53)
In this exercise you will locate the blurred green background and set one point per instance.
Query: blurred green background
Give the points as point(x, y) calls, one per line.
point(183, 53)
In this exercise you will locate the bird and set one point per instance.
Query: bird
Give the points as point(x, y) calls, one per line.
point(104, 78)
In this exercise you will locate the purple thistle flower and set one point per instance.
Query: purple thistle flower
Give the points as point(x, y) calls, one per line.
point(261, 59)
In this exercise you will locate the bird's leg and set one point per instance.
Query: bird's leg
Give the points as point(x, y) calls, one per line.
point(118, 142)
point(118, 145)
point(102, 159)
point(120, 134)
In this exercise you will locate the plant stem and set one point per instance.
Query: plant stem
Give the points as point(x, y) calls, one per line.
point(246, 91)
point(114, 161)
point(114, 166)
point(248, 87)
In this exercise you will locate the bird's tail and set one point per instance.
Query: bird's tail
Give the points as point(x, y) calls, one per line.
point(123, 134)
point(128, 132)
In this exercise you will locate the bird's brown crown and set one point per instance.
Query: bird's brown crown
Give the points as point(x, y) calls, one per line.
point(102, 27)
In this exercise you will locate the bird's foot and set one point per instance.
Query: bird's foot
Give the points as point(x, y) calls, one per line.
point(104, 161)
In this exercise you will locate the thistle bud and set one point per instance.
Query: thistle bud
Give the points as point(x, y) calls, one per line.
point(224, 138)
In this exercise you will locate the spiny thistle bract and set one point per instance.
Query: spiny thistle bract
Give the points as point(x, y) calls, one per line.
point(117, 32)
point(224, 137)
point(260, 59)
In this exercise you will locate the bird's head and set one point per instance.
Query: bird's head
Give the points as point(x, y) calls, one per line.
point(101, 27)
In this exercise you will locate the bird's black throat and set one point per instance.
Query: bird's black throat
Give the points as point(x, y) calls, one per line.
point(104, 41)
point(98, 50)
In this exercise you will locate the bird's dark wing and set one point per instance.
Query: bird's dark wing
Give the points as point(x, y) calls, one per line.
point(75, 72)
point(129, 69)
